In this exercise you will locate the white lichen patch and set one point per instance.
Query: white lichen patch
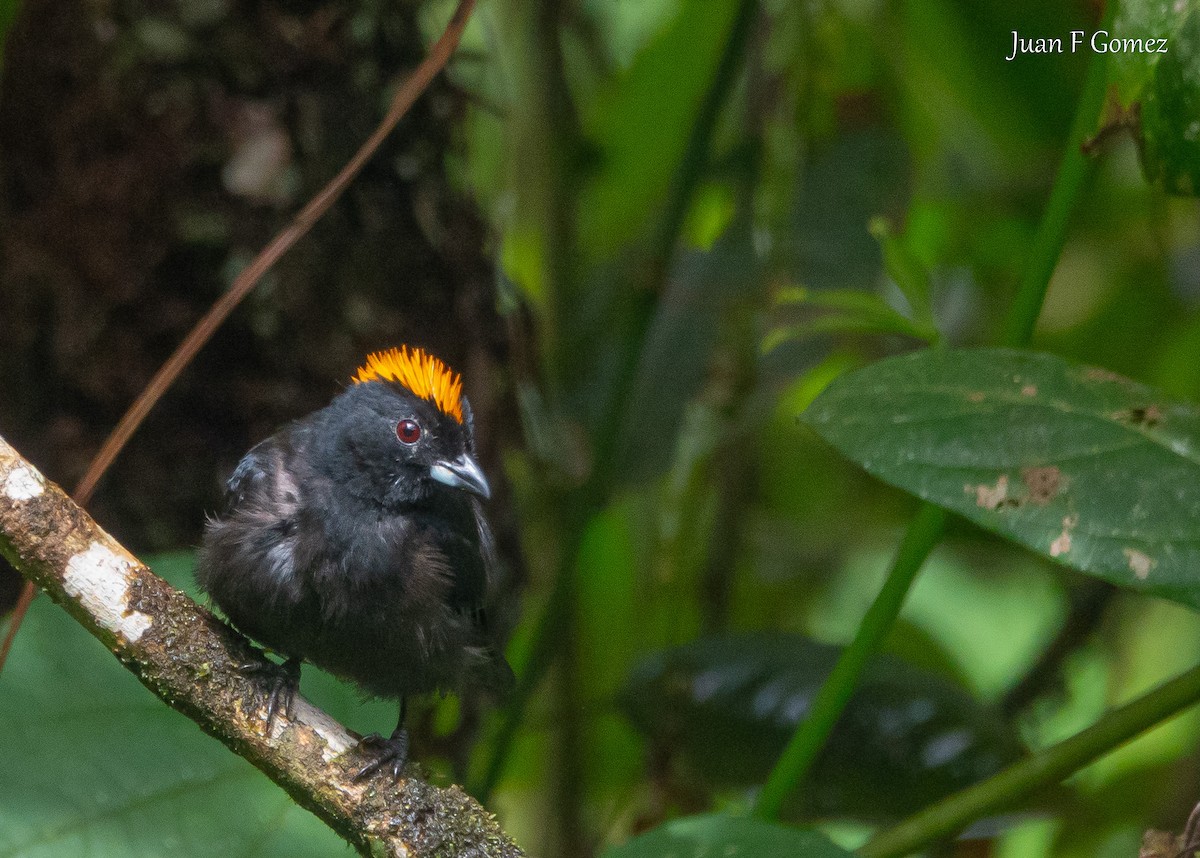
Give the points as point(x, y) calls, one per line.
point(989, 497)
point(23, 484)
point(1062, 543)
point(1140, 563)
point(337, 740)
point(100, 579)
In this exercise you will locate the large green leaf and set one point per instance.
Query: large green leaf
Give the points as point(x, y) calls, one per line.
point(1171, 113)
point(1077, 463)
point(1131, 71)
point(729, 704)
point(95, 765)
point(1153, 52)
point(717, 835)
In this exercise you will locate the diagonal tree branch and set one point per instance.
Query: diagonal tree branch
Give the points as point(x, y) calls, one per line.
point(191, 660)
point(412, 88)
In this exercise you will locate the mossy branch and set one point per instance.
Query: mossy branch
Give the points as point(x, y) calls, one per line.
point(192, 661)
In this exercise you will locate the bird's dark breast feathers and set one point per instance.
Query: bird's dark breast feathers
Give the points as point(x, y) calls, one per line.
point(389, 600)
point(398, 607)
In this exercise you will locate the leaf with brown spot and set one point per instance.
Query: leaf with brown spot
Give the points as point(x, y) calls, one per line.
point(1109, 469)
point(1042, 483)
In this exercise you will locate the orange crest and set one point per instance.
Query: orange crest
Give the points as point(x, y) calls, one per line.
point(418, 372)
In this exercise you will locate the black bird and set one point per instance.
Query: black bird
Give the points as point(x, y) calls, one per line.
point(354, 539)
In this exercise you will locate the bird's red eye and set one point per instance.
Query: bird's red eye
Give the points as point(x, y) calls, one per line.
point(408, 431)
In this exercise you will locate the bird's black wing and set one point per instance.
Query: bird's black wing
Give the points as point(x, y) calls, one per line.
point(252, 476)
point(499, 676)
point(256, 557)
point(487, 548)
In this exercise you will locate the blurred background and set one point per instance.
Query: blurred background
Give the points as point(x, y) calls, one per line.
point(647, 233)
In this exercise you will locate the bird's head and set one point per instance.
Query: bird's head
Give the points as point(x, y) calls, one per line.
point(402, 433)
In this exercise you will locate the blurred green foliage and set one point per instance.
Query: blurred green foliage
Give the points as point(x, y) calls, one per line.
point(96, 766)
point(874, 179)
point(716, 835)
point(704, 213)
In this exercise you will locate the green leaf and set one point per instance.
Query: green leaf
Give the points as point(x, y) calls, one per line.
point(1088, 468)
point(843, 311)
point(95, 765)
point(718, 835)
point(1165, 83)
point(729, 704)
point(1171, 113)
point(1132, 71)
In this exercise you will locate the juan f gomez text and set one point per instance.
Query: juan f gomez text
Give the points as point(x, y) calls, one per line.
point(1100, 42)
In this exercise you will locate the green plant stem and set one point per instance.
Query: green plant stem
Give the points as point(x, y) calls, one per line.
point(1074, 174)
point(928, 526)
point(695, 156)
point(1048, 766)
point(923, 534)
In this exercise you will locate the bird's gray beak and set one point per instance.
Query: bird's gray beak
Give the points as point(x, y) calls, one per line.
point(462, 473)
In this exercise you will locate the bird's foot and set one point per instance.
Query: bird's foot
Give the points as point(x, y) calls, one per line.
point(388, 753)
point(285, 682)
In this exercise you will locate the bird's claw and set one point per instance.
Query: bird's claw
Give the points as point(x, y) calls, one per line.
point(285, 682)
point(391, 752)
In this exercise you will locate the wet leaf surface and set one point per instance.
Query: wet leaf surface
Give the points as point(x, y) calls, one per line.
point(729, 704)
